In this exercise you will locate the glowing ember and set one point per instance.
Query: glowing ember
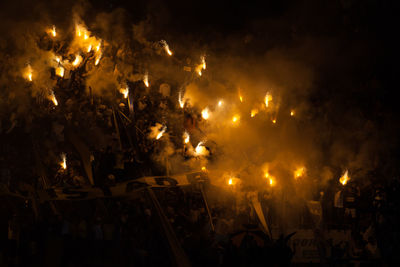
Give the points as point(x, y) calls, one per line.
point(299, 172)
point(205, 113)
point(230, 181)
point(186, 137)
point(77, 60)
point(180, 99)
point(253, 112)
point(235, 118)
point(160, 134)
point(292, 113)
point(220, 103)
point(203, 60)
point(124, 91)
point(89, 48)
point(54, 99)
point(345, 178)
point(146, 79)
point(267, 99)
point(60, 71)
point(201, 150)
point(166, 47)
point(203, 168)
point(63, 163)
point(273, 121)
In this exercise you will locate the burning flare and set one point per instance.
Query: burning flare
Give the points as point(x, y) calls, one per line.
point(53, 31)
point(230, 181)
point(235, 118)
point(63, 163)
point(124, 91)
point(220, 103)
point(98, 59)
point(89, 48)
point(254, 112)
point(267, 99)
point(77, 60)
point(273, 121)
point(60, 71)
point(271, 179)
point(186, 137)
point(160, 134)
point(203, 62)
point(292, 113)
point(54, 99)
point(345, 178)
point(299, 172)
point(205, 113)
point(180, 99)
point(166, 47)
point(28, 73)
point(146, 79)
point(201, 150)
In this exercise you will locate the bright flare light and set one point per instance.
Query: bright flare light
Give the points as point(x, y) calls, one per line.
point(299, 172)
point(28, 73)
point(235, 118)
point(180, 99)
point(53, 31)
point(97, 60)
point(205, 113)
point(273, 121)
point(54, 99)
point(63, 163)
point(60, 71)
point(77, 60)
point(203, 60)
point(160, 134)
point(230, 181)
point(124, 91)
point(186, 137)
point(220, 103)
point(201, 149)
point(253, 112)
point(345, 178)
point(292, 113)
point(267, 99)
point(166, 47)
point(146, 79)
point(89, 48)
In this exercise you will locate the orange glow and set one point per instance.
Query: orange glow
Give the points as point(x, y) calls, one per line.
point(205, 113)
point(345, 178)
point(292, 113)
point(273, 121)
point(267, 99)
point(63, 163)
point(29, 73)
point(124, 91)
point(53, 98)
point(235, 118)
point(77, 60)
point(146, 79)
point(204, 169)
point(253, 112)
point(166, 47)
point(180, 99)
point(220, 103)
point(201, 149)
point(299, 172)
point(230, 181)
point(60, 71)
point(53, 31)
point(186, 137)
point(160, 134)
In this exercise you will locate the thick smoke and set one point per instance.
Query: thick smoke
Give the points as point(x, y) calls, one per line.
point(307, 123)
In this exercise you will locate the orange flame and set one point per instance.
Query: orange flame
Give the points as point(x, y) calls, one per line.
point(267, 99)
point(186, 137)
point(345, 178)
point(124, 91)
point(180, 99)
point(253, 112)
point(64, 161)
point(77, 60)
point(146, 79)
point(54, 99)
point(166, 47)
point(299, 172)
point(205, 113)
point(60, 71)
